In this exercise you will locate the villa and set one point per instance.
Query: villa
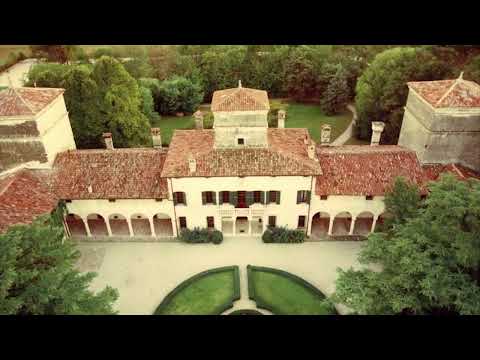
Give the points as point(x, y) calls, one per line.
point(239, 177)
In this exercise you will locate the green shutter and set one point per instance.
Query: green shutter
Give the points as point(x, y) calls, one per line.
point(278, 197)
point(175, 200)
point(233, 198)
point(204, 197)
point(185, 199)
point(308, 197)
point(220, 197)
point(269, 198)
point(214, 197)
point(299, 194)
point(262, 197)
point(249, 197)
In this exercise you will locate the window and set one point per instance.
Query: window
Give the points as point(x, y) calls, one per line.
point(272, 221)
point(179, 198)
point(225, 196)
point(183, 222)
point(209, 197)
point(272, 195)
point(303, 196)
point(241, 141)
point(323, 197)
point(301, 221)
point(210, 222)
point(68, 201)
point(369, 197)
point(257, 197)
point(111, 200)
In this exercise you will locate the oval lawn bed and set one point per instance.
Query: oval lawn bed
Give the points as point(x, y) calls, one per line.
point(208, 293)
point(283, 293)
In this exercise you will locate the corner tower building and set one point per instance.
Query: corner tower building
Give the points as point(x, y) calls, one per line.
point(442, 122)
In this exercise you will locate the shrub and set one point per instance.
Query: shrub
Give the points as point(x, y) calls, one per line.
point(283, 235)
point(208, 120)
point(273, 113)
point(199, 236)
point(103, 52)
point(179, 94)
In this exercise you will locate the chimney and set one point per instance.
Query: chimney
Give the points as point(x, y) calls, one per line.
point(156, 138)
point(192, 164)
point(325, 135)
point(107, 138)
point(377, 129)
point(281, 119)
point(198, 115)
point(311, 150)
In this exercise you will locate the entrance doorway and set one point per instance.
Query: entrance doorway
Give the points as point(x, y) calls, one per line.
point(241, 225)
point(242, 201)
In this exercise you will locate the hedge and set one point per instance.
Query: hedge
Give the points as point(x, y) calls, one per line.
point(201, 236)
point(224, 307)
point(283, 235)
point(294, 278)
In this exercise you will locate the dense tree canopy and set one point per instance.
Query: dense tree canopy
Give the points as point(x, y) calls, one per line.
point(179, 94)
point(37, 274)
point(382, 89)
point(428, 261)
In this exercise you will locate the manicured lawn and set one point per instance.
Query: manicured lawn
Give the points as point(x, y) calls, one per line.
point(208, 293)
point(298, 116)
point(282, 294)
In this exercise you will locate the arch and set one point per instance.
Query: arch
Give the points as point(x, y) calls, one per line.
point(342, 223)
point(75, 225)
point(162, 223)
point(363, 223)
point(320, 223)
point(96, 224)
point(140, 225)
point(118, 225)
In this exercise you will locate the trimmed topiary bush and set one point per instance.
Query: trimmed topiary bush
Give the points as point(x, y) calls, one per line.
point(199, 236)
point(283, 235)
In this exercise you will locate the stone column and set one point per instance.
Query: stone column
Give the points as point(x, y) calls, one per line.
point(130, 229)
point(352, 225)
point(374, 223)
point(107, 223)
point(330, 225)
point(85, 221)
point(233, 225)
point(152, 227)
point(249, 219)
point(174, 228)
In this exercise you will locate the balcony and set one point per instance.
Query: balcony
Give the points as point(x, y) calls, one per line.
point(236, 212)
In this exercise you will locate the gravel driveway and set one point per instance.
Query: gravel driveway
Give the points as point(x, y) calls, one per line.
point(144, 273)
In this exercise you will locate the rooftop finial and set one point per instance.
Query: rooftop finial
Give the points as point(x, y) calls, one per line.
point(239, 83)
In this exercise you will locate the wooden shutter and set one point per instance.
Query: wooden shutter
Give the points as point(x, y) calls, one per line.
point(214, 197)
point(278, 197)
point(249, 197)
point(233, 198)
point(262, 197)
point(204, 197)
point(184, 198)
point(308, 196)
point(299, 196)
point(220, 198)
point(175, 198)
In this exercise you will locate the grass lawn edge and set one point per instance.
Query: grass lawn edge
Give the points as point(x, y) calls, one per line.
point(261, 304)
point(236, 288)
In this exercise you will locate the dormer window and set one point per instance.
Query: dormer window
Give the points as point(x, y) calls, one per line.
point(241, 141)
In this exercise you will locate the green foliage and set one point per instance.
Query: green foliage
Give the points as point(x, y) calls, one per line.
point(282, 235)
point(197, 236)
point(472, 70)
point(402, 202)
point(12, 59)
point(179, 94)
point(301, 75)
point(37, 275)
point(147, 105)
point(47, 75)
point(139, 67)
point(337, 93)
point(54, 53)
point(382, 89)
point(106, 51)
point(429, 264)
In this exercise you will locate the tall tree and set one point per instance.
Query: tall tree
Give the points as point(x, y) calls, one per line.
point(429, 264)
point(382, 89)
point(37, 274)
point(55, 53)
point(119, 104)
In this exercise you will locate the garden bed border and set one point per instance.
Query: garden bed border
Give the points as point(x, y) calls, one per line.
point(229, 304)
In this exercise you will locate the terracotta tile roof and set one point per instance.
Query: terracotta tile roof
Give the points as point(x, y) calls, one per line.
point(456, 93)
point(112, 174)
point(240, 99)
point(286, 155)
point(433, 171)
point(365, 169)
point(26, 101)
point(24, 195)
